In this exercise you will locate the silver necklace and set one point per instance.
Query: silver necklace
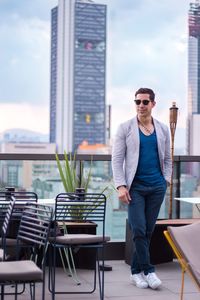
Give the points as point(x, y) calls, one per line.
point(144, 127)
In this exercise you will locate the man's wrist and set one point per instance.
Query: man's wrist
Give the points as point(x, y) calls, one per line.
point(121, 186)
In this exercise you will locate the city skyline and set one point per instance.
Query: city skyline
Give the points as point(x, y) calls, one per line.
point(147, 46)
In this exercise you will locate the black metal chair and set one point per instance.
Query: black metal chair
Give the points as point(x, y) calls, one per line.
point(87, 208)
point(8, 210)
point(21, 198)
point(33, 234)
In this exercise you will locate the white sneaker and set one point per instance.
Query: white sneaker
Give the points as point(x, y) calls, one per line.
point(153, 281)
point(139, 281)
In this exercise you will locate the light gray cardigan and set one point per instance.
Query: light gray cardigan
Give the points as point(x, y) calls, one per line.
point(125, 153)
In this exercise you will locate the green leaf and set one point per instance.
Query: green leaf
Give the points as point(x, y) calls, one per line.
point(68, 175)
point(62, 176)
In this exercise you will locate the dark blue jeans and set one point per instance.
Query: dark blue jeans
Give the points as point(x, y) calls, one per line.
point(143, 211)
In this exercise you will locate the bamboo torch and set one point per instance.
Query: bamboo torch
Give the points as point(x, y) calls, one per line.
point(173, 113)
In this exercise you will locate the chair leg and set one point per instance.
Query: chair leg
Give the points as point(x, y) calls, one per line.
point(2, 292)
point(182, 283)
point(101, 275)
point(51, 264)
point(53, 274)
point(102, 283)
point(71, 265)
point(16, 293)
point(31, 291)
point(50, 268)
point(43, 286)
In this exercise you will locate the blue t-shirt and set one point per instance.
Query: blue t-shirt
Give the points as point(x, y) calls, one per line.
point(148, 169)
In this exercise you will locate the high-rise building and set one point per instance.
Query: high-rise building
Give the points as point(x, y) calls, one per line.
point(193, 124)
point(78, 69)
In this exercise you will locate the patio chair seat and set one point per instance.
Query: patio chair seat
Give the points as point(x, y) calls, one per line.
point(77, 239)
point(185, 239)
point(185, 243)
point(10, 242)
point(20, 271)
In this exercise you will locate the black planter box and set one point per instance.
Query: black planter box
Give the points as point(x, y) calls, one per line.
point(160, 250)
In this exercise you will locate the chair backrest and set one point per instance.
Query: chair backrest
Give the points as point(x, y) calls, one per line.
point(69, 207)
point(6, 222)
point(34, 224)
point(8, 214)
point(187, 241)
point(33, 232)
point(21, 198)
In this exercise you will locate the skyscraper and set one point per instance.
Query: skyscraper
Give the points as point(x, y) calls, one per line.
point(78, 68)
point(193, 125)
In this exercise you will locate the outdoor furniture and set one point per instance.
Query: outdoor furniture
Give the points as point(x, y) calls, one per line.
point(191, 200)
point(33, 234)
point(21, 198)
point(70, 208)
point(5, 226)
point(185, 243)
point(7, 210)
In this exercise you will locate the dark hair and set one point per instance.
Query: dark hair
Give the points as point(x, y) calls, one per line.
point(146, 91)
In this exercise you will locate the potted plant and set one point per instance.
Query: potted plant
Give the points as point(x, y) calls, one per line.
point(74, 182)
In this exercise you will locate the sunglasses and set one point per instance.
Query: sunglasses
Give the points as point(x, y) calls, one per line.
point(144, 102)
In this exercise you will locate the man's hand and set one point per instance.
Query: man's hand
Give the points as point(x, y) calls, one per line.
point(123, 194)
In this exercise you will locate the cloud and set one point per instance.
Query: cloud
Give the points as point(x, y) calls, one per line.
point(141, 50)
point(148, 48)
point(27, 9)
point(24, 115)
point(24, 60)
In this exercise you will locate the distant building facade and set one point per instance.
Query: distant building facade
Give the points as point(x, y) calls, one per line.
point(21, 173)
point(78, 74)
point(18, 135)
point(193, 122)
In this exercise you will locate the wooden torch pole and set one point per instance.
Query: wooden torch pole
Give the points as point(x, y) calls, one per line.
point(173, 113)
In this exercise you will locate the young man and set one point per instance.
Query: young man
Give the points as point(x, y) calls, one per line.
point(141, 170)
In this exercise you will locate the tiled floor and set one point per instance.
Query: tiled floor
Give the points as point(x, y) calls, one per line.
point(118, 286)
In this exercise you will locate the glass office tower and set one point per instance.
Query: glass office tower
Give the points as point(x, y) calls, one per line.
point(193, 129)
point(78, 68)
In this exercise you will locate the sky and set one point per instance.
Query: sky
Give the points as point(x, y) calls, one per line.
point(146, 47)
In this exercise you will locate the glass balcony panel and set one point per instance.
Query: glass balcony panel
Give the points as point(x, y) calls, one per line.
point(42, 177)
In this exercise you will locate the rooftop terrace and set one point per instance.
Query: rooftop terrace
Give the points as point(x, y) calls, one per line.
point(118, 286)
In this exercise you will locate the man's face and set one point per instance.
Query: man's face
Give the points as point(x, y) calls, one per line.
point(144, 106)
